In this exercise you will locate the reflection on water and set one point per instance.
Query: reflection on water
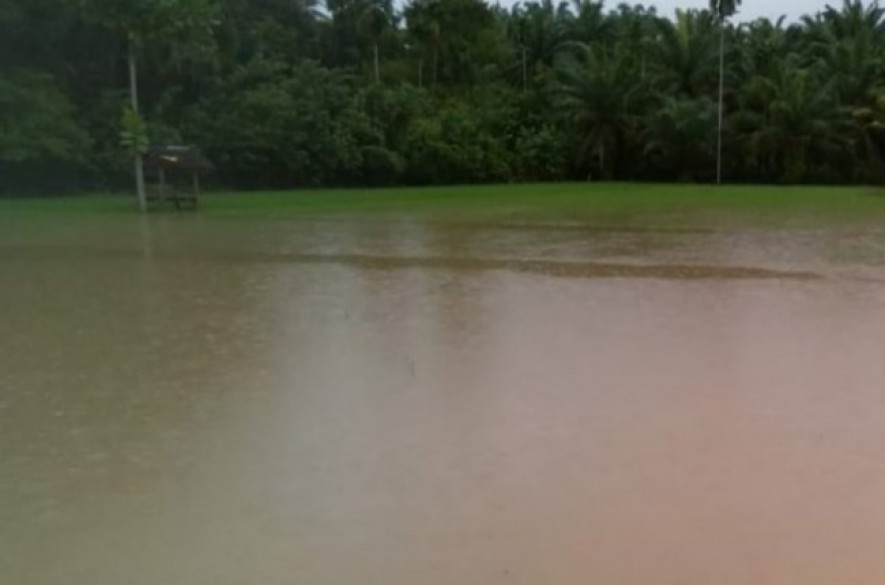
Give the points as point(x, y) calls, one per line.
point(408, 401)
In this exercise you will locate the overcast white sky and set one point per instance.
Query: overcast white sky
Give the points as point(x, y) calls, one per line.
point(750, 9)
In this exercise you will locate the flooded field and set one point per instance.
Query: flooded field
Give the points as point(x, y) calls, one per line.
point(410, 400)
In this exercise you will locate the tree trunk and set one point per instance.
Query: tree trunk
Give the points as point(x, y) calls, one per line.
point(435, 64)
point(602, 172)
point(525, 73)
point(721, 101)
point(377, 65)
point(162, 177)
point(197, 192)
point(138, 162)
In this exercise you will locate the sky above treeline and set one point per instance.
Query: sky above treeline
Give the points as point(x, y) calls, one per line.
point(750, 9)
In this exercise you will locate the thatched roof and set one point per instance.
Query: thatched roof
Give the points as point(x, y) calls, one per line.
point(177, 157)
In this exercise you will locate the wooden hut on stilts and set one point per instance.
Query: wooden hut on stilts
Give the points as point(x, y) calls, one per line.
point(175, 175)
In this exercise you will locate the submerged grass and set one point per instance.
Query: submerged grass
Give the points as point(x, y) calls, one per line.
point(609, 203)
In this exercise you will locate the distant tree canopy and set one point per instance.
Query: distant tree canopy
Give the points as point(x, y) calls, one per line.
point(288, 93)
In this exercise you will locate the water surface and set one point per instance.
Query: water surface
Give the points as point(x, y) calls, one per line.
point(410, 400)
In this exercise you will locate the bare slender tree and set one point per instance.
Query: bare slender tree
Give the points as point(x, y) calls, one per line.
point(723, 9)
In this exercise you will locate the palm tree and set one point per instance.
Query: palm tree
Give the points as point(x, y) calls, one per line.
point(846, 45)
point(456, 33)
point(423, 25)
point(588, 22)
point(684, 48)
point(800, 119)
point(848, 42)
point(601, 94)
point(536, 30)
point(871, 121)
point(762, 42)
point(636, 30)
point(723, 9)
point(677, 136)
point(374, 20)
point(855, 18)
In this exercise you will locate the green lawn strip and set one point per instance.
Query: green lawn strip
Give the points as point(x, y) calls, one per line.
point(607, 203)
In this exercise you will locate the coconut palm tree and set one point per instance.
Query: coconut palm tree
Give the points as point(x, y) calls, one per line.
point(374, 20)
point(602, 96)
point(723, 9)
point(536, 31)
point(677, 137)
point(853, 19)
point(800, 119)
point(684, 51)
point(760, 43)
point(636, 29)
point(589, 23)
point(423, 24)
point(849, 43)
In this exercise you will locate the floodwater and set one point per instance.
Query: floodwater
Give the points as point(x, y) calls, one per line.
point(402, 400)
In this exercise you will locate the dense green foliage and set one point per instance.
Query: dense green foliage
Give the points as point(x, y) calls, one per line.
point(285, 93)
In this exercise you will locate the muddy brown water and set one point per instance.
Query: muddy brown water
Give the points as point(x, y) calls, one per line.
point(407, 401)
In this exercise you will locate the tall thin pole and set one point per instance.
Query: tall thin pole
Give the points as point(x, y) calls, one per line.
point(721, 99)
point(133, 94)
point(525, 71)
point(377, 64)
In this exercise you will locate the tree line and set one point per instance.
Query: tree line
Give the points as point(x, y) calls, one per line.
point(288, 93)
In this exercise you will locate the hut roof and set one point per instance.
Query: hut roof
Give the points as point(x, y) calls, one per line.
point(177, 157)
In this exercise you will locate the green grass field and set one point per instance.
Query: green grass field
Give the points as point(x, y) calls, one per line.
point(615, 202)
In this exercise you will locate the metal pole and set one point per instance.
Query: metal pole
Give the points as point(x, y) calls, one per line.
point(721, 99)
point(133, 94)
point(525, 71)
point(377, 64)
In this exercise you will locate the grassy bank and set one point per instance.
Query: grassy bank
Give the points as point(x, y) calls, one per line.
point(516, 202)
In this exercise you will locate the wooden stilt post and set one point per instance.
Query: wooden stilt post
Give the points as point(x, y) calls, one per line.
point(162, 194)
point(196, 188)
